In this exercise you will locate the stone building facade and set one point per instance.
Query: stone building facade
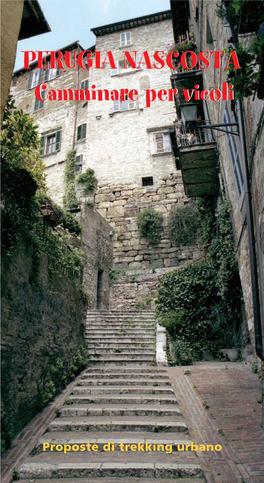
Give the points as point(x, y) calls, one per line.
point(126, 144)
point(237, 154)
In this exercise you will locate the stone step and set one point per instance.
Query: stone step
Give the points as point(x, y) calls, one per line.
point(117, 331)
point(75, 437)
point(122, 390)
point(115, 480)
point(119, 423)
point(128, 370)
point(124, 399)
point(125, 376)
point(123, 357)
point(119, 350)
point(71, 465)
point(118, 410)
point(126, 338)
point(114, 344)
point(123, 382)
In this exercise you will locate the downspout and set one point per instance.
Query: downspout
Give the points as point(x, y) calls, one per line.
point(251, 242)
point(76, 102)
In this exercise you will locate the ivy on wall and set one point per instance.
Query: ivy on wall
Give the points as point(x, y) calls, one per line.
point(150, 225)
point(70, 200)
point(200, 304)
point(183, 223)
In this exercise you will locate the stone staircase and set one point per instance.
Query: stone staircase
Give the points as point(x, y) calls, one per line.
point(125, 406)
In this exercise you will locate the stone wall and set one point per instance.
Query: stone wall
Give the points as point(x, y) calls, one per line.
point(97, 246)
point(43, 318)
point(120, 204)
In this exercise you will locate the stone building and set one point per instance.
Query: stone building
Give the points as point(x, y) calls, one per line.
point(126, 144)
point(240, 157)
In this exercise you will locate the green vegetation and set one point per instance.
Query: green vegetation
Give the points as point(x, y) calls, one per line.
point(150, 225)
point(183, 223)
point(70, 200)
point(88, 180)
point(200, 304)
point(115, 274)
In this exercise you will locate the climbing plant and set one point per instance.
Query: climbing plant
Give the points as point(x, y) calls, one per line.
point(88, 180)
point(150, 225)
point(70, 200)
point(183, 223)
point(201, 304)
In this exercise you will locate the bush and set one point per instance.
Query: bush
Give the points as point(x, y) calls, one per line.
point(89, 181)
point(150, 225)
point(70, 200)
point(183, 224)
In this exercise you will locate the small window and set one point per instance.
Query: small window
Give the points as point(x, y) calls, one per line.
point(78, 164)
point(125, 105)
point(162, 143)
point(50, 143)
point(121, 69)
point(81, 132)
point(125, 39)
point(148, 181)
point(85, 84)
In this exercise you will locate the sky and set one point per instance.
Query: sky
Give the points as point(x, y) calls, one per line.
point(71, 20)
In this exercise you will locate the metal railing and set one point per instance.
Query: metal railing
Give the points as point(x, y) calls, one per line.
point(192, 134)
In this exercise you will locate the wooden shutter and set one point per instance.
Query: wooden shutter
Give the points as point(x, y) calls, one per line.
point(159, 142)
point(46, 75)
point(42, 143)
point(58, 136)
point(30, 80)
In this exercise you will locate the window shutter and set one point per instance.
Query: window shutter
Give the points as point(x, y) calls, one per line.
point(57, 146)
point(167, 143)
point(42, 142)
point(159, 142)
point(116, 106)
point(30, 80)
point(58, 70)
point(115, 71)
point(85, 84)
point(40, 76)
point(83, 131)
point(46, 75)
point(78, 133)
point(131, 104)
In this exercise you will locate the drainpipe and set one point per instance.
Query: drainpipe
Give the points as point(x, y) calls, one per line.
point(251, 242)
point(76, 102)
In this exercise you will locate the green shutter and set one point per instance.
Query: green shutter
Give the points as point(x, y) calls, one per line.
point(83, 131)
point(42, 141)
point(30, 80)
point(57, 147)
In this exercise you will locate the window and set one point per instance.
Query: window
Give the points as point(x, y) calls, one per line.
point(125, 105)
point(78, 164)
point(148, 181)
point(162, 143)
point(50, 74)
point(125, 39)
point(85, 84)
point(50, 143)
point(234, 153)
point(120, 67)
point(35, 76)
point(81, 132)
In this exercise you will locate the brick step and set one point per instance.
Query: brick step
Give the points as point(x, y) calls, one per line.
point(76, 437)
point(118, 410)
point(119, 350)
point(119, 423)
point(122, 390)
point(129, 370)
point(124, 399)
point(124, 376)
point(71, 465)
point(123, 382)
